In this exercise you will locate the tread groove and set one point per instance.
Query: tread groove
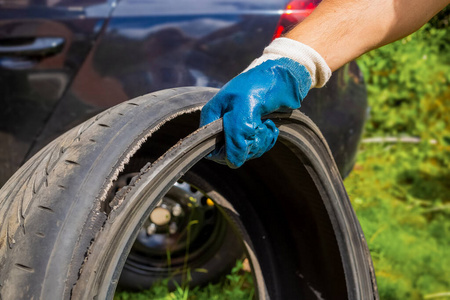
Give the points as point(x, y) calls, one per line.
point(20, 213)
point(58, 153)
point(47, 164)
point(72, 162)
point(9, 239)
point(99, 116)
point(34, 186)
point(45, 208)
point(24, 268)
point(26, 198)
point(27, 195)
point(22, 201)
point(14, 192)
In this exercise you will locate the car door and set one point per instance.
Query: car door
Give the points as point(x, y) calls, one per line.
point(42, 45)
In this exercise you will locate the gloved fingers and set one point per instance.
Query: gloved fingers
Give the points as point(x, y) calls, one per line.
point(265, 137)
point(244, 141)
point(239, 136)
point(211, 112)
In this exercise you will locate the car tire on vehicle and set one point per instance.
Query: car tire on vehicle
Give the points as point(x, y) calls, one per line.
point(65, 234)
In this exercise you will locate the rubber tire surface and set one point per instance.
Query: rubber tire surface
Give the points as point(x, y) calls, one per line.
point(57, 233)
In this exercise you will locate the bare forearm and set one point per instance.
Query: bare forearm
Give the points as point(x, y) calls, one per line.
point(341, 30)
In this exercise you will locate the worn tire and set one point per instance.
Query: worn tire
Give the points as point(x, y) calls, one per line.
point(60, 238)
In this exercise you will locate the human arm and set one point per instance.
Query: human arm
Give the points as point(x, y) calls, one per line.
point(336, 32)
point(342, 30)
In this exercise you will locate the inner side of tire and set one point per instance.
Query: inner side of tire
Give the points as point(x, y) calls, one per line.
point(300, 231)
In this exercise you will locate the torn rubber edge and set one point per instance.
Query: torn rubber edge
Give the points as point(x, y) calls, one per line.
point(129, 153)
point(98, 216)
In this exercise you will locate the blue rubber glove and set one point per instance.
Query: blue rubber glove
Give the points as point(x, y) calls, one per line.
point(271, 85)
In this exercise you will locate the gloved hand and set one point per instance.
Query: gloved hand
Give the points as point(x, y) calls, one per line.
point(277, 81)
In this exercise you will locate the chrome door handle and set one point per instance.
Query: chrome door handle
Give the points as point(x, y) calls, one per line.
point(37, 46)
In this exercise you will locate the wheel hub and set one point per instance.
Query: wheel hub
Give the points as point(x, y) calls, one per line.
point(160, 216)
point(185, 218)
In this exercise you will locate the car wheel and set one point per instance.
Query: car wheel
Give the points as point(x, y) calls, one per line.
point(70, 230)
point(185, 238)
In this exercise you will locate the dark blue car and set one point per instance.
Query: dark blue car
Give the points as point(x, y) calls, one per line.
point(63, 62)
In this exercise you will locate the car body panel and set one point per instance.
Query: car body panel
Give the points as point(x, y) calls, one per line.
point(32, 81)
point(151, 45)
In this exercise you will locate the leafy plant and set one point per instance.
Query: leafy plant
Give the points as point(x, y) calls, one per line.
point(408, 86)
point(402, 200)
point(401, 192)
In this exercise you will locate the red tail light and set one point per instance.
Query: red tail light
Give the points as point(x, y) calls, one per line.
point(295, 12)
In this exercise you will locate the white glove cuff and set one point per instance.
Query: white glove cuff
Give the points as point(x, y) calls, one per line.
point(301, 53)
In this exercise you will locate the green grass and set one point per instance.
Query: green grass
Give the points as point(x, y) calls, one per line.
point(402, 198)
point(401, 192)
point(238, 285)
